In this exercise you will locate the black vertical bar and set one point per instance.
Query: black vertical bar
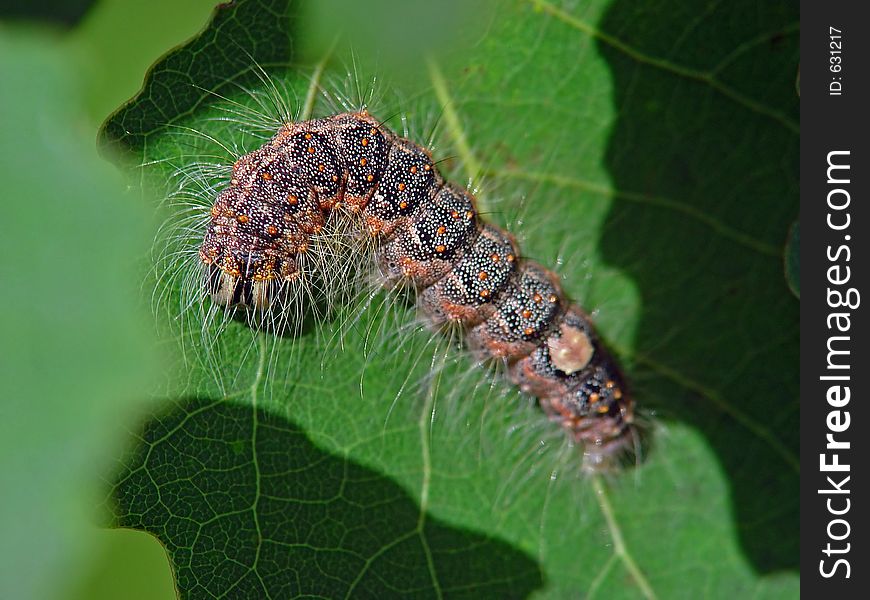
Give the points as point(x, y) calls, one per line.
point(835, 62)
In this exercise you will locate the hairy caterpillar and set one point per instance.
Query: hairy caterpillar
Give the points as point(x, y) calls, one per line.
point(349, 172)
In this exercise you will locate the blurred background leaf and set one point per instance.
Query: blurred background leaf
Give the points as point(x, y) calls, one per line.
point(76, 344)
point(75, 349)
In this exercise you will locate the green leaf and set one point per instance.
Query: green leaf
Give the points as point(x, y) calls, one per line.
point(254, 508)
point(119, 39)
point(75, 341)
point(649, 153)
point(131, 564)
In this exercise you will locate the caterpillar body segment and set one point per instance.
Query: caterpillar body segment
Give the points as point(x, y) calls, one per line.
point(428, 235)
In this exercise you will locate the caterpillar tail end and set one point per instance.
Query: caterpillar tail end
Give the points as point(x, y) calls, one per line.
point(612, 441)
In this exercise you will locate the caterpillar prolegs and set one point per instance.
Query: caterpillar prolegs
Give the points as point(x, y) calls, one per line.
point(428, 236)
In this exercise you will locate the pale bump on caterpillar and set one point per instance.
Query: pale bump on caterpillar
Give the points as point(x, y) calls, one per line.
point(340, 291)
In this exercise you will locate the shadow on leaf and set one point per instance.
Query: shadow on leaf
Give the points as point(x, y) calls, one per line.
point(706, 184)
point(248, 507)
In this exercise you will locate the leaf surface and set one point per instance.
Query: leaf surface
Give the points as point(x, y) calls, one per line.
point(649, 153)
point(75, 342)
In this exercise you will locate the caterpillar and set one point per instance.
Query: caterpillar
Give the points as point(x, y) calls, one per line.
point(349, 170)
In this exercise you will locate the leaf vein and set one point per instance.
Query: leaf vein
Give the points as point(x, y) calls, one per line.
point(724, 230)
point(705, 77)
